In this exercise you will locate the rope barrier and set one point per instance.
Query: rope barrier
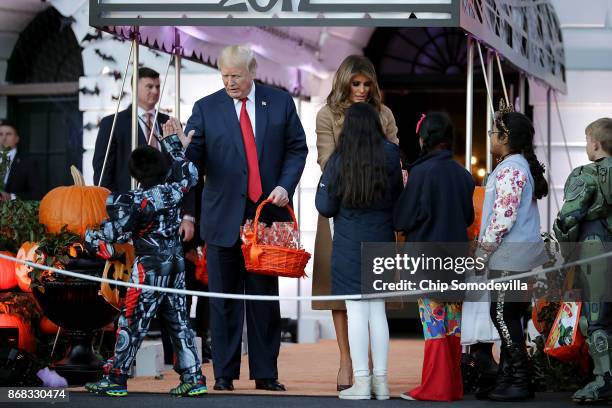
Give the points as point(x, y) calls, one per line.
point(296, 298)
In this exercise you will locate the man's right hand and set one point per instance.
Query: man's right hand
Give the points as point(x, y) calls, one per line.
point(4, 196)
point(186, 230)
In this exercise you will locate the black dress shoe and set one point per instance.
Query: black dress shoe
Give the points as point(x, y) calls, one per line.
point(269, 385)
point(223, 384)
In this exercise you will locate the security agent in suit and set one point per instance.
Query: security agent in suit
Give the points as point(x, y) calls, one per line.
point(116, 175)
point(225, 124)
point(19, 175)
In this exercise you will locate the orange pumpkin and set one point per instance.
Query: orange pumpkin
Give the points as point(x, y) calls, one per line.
point(27, 252)
point(78, 207)
point(478, 201)
point(26, 336)
point(47, 326)
point(7, 272)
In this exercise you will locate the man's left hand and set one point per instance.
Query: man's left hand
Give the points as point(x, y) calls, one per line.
point(279, 196)
point(4, 196)
point(186, 230)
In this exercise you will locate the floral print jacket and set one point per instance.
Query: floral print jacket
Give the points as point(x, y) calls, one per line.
point(509, 185)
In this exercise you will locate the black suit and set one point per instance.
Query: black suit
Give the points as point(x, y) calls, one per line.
point(116, 174)
point(218, 149)
point(24, 178)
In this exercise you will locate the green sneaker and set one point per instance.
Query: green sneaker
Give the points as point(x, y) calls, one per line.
point(185, 389)
point(107, 387)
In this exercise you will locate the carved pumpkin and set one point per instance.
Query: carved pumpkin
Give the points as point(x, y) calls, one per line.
point(478, 201)
point(47, 326)
point(7, 272)
point(27, 252)
point(11, 321)
point(78, 207)
point(117, 270)
point(540, 325)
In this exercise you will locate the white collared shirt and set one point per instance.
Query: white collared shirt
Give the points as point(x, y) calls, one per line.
point(250, 106)
point(142, 121)
point(11, 156)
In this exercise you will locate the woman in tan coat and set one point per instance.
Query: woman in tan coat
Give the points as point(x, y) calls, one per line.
point(354, 81)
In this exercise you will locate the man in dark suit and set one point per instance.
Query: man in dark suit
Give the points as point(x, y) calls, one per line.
point(116, 175)
point(248, 140)
point(19, 175)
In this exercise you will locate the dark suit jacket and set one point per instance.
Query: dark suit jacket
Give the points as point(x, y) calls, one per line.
point(24, 178)
point(218, 151)
point(116, 174)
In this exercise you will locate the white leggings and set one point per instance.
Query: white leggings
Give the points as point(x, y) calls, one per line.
point(364, 315)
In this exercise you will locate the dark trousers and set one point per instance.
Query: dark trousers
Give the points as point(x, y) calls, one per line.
point(227, 274)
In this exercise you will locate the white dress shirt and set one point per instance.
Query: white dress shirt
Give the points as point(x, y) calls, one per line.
point(142, 121)
point(250, 106)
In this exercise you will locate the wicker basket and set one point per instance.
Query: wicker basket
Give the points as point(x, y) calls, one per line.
point(273, 260)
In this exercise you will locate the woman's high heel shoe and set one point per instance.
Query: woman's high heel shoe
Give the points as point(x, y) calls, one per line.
point(342, 387)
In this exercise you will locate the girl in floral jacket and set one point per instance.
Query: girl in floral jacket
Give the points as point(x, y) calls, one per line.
point(510, 242)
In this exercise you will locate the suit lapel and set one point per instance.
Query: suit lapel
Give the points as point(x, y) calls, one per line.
point(233, 125)
point(261, 122)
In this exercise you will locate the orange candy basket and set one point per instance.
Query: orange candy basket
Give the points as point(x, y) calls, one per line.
point(273, 260)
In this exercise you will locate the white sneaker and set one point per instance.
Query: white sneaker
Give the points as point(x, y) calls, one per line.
point(380, 387)
point(407, 396)
point(361, 389)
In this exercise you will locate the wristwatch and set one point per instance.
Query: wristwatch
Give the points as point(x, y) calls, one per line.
point(189, 218)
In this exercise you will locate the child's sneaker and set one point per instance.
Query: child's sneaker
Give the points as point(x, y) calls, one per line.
point(190, 389)
point(107, 387)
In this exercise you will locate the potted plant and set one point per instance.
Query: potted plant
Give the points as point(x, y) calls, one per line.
point(73, 304)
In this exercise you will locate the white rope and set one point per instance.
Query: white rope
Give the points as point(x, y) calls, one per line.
point(161, 95)
point(503, 80)
point(110, 137)
point(297, 298)
point(486, 80)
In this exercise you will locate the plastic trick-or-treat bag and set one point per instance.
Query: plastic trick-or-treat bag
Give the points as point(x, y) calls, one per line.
point(565, 340)
point(273, 250)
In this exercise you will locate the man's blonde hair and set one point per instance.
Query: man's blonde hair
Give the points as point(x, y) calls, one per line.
point(236, 56)
point(601, 130)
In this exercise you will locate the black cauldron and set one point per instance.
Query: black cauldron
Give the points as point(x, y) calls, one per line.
point(77, 306)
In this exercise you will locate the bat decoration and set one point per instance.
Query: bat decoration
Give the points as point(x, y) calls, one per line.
point(116, 74)
point(157, 54)
point(90, 126)
point(116, 98)
point(93, 37)
point(87, 91)
point(105, 57)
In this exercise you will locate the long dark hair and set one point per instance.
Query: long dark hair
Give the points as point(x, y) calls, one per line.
point(362, 175)
point(520, 132)
point(437, 131)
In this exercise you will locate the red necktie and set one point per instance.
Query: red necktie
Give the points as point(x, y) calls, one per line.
point(254, 190)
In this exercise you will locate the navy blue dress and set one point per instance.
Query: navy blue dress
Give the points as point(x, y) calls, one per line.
point(352, 226)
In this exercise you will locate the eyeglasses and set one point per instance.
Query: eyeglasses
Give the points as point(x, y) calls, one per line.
point(492, 132)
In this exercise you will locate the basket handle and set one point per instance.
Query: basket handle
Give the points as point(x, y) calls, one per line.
point(258, 212)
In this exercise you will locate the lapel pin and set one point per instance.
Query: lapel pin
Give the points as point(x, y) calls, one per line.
point(264, 103)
